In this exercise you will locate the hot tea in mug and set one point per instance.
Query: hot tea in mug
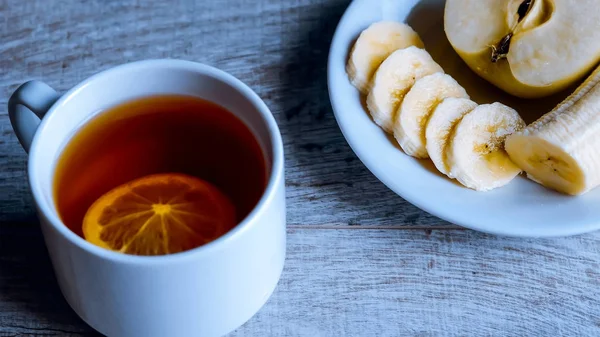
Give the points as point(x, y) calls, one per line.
point(159, 175)
point(131, 162)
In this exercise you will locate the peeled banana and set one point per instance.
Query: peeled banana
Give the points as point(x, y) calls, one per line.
point(561, 150)
point(417, 106)
point(394, 78)
point(373, 46)
point(476, 154)
point(441, 124)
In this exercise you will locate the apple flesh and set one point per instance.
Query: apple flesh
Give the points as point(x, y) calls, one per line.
point(528, 48)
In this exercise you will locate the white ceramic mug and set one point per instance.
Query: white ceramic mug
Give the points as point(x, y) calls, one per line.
point(207, 291)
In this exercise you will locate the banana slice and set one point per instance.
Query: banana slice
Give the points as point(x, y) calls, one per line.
point(560, 150)
point(476, 154)
point(373, 46)
point(441, 124)
point(394, 78)
point(417, 106)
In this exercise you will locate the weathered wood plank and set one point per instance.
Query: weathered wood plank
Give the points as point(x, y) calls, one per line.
point(361, 282)
point(439, 283)
point(278, 47)
point(370, 282)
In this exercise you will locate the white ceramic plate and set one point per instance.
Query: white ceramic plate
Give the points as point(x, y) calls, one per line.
point(522, 208)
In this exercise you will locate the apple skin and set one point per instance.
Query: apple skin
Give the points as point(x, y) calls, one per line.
point(501, 75)
point(500, 19)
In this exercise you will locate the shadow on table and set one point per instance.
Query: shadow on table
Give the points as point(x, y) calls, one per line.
point(28, 288)
point(312, 131)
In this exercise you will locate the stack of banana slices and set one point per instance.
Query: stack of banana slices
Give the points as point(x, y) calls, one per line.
point(428, 112)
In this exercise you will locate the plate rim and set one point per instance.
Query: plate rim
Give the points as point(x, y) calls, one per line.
point(405, 193)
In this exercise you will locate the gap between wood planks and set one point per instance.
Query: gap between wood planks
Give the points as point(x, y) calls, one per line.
point(372, 227)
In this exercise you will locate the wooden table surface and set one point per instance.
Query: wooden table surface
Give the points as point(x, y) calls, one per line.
point(361, 261)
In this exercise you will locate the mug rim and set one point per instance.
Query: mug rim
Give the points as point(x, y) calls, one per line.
point(275, 176)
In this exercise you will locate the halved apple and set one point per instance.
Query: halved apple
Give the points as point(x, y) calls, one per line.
point(528, 48)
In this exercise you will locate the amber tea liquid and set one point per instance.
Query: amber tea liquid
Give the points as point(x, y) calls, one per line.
point(158, 135)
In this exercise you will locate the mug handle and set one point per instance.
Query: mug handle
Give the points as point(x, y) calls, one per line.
point(26, 108)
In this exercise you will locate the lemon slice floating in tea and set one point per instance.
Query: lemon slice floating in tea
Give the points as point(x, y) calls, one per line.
point(159, 214)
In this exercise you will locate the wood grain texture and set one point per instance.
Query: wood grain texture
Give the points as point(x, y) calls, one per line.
point(439, 283)
point(346, 274)
point(279, 48)
point(370, 283)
